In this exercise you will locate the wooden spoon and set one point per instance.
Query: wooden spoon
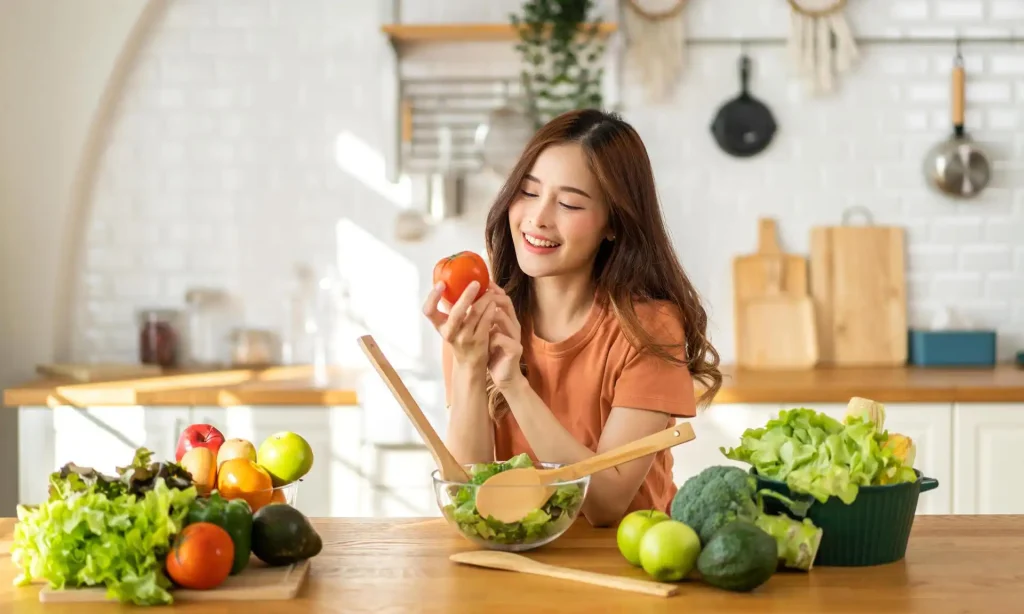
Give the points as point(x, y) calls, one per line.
point(510, 495)
point(516, 562)
point(450, 468)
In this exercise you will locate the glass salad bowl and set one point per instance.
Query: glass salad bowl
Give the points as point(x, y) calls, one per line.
point(457, 501)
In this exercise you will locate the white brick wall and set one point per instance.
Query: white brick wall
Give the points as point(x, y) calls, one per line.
point(220, 167)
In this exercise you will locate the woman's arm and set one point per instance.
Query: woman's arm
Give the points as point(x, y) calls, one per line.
point(611, 491)
point(470, 430)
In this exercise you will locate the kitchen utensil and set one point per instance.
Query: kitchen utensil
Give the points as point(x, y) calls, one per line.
point(858, 284)
point(257, 582)
point(509, 561)
point(779, 329)
point(752, 276)
point(873, 530)
point(450, 468)
point(410, 224)
point(957, 166)
point(744, 126)
point(503, 136)
point(500, 497)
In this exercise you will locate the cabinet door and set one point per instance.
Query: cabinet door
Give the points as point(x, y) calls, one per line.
point(37, 457)
point(987, 439)
point(402, 486)
point(718, 426)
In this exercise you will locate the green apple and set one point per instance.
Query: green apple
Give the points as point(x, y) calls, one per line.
point(631, 530)
point(669, 550)
point(286, 456)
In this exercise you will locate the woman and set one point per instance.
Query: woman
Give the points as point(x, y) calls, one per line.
point(590, 335)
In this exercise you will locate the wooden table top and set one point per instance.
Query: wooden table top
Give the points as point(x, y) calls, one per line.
point(283, 386)
point(953, 564)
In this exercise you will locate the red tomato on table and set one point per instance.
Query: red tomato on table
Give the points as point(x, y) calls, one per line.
point(457, 271)
point(201, 557)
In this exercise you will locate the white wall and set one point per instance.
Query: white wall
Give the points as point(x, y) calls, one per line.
point(56, 58)
point(221, 167)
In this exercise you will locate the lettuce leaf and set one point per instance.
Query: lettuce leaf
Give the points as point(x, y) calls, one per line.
point(94, 538)
point(818, 455)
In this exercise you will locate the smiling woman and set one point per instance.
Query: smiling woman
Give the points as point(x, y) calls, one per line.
point(591, 335)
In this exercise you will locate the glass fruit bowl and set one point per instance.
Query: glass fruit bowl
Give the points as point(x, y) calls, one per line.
point(287, 493)
point(457, 502)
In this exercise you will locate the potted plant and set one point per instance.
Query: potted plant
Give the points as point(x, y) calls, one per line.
point(561, 54)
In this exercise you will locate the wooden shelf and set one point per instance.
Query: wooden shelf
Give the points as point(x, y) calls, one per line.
point(469, 32)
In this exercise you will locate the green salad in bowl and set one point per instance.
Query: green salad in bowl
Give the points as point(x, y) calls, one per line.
point(541, 526)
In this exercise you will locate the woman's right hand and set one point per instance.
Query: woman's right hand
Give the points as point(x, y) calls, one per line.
point(467, 325)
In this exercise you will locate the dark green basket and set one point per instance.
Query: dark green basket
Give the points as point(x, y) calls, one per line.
point(873, 530)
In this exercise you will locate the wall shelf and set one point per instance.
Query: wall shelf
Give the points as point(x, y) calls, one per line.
point(468, 32)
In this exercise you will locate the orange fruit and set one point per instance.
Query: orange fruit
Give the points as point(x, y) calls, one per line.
point(201, 557)
point(278, 497)
point(240, 478)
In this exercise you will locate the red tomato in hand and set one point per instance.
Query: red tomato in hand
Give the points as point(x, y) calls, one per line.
point(201, 557)
point(457, 271)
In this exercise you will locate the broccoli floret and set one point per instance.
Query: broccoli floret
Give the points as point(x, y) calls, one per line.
point(722, 494)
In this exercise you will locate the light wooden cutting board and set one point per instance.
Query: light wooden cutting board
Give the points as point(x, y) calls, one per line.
point(757, 275)
point(858, 283)
point(259, 582)
point(779, 329)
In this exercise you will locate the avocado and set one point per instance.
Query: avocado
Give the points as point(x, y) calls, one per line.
point(739, 557)
point(282, 535)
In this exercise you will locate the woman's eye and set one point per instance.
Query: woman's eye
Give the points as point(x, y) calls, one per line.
point(570, 207)
point(525, 193)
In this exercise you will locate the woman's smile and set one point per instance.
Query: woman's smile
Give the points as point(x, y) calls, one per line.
point(538, 245)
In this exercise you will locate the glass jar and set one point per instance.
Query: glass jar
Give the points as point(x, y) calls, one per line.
point(203, 342)
point(158, 337)
point(253, 347)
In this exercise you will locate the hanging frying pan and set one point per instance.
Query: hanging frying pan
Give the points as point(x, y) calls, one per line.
point(744, 126)
point(957, 166)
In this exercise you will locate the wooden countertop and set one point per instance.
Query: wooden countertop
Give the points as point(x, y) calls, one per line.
point(282, 386)
point(1004, 384)
point(227, 388)
point(953, 564)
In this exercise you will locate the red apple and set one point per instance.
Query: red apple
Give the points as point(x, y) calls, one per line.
point(199, 436)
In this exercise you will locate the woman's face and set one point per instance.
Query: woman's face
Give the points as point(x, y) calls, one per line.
point(559, 218)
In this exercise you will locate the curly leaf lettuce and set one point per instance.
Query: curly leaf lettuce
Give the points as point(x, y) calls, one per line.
point(818, 455)
point(91, 539)
point(539, 523)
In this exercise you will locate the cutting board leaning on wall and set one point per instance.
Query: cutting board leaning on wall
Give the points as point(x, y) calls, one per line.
point(859, 288)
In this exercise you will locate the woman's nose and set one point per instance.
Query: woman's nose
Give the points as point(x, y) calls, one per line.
point(543, 211)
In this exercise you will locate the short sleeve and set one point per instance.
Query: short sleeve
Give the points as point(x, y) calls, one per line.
point(650, 382)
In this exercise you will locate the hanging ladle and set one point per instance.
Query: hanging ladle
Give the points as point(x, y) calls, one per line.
point(449, 468)
point(510, 495)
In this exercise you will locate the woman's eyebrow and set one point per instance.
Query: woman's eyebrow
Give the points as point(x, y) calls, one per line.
point(564, 188)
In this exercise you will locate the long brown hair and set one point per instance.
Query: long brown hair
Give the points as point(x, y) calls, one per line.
point(639, 265)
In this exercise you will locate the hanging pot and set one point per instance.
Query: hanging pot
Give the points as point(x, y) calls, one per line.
point(744, 126)
point(957, 166)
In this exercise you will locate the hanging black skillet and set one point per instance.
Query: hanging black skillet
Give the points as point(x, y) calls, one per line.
point(744, 126)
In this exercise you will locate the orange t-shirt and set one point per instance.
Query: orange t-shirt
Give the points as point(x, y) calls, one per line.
point(581, 378)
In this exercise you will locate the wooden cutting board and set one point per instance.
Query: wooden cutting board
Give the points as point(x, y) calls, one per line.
point(778, 329)
point(859, 288)
point(259, 582)
point(757, 275)
point(93, 372)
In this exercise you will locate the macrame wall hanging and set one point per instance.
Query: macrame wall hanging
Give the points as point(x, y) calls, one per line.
point(820, 42)
point(656, 44)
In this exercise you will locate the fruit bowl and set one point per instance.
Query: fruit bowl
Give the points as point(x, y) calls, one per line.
point(456, 501)
point(286, 494)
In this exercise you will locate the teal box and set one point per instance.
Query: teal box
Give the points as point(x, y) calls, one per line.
point(952, 348)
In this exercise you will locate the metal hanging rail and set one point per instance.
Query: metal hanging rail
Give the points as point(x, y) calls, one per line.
point(866, 40)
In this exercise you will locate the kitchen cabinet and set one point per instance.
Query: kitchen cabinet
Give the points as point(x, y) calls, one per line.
point(987, 439)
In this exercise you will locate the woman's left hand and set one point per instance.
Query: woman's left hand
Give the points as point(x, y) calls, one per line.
point(506, 347)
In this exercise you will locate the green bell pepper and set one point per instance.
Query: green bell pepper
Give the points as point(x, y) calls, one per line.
point(234, 516)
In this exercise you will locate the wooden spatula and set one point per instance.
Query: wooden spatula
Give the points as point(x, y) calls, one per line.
point(511, 495)
point(449, 468)
point(516, 562)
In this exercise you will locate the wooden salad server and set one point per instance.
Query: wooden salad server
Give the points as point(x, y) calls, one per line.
point(449, 468)
point(511, 495)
